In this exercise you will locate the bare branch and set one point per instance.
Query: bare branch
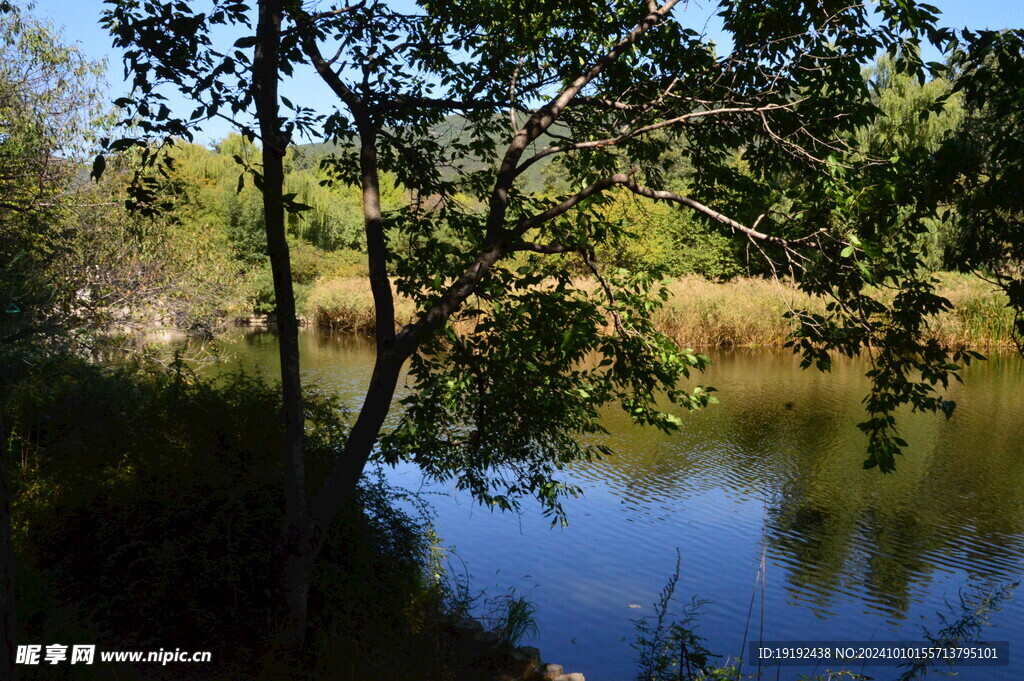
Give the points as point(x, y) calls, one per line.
point(612, 141)
point(338, 11)
point(545, 117)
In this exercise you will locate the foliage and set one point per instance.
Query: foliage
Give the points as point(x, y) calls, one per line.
point(210, 188)
point(146, 269)
point(464, 384)
point(668, 240)
point(670, 649)
point(49, 96)
point(310, 265)
point(769, 129)
point(981, 163)
point(212, 211)
point(167, 484)
point(916, 120)
point(75, 261)
point(742, 312)
point(781, 135)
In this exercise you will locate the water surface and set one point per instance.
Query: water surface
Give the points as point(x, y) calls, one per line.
point(772, 475)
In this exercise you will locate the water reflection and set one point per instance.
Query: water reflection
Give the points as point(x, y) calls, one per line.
point(852, 554)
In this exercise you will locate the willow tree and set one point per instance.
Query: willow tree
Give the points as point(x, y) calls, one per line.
point(511, 353)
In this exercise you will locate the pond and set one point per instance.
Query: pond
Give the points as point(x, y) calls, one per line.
point(772, 475)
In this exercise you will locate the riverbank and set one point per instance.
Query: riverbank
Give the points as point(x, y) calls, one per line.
point(743, 312)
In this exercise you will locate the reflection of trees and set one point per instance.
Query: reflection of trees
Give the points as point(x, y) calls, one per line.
point(956, 500)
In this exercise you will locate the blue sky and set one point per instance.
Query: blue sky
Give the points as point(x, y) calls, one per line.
point(79, 20)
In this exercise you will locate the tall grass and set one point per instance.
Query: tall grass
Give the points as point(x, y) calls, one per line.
point(744, 312)
point(513, 618)
point(346, 304)
point(980, 316)
point(741, 312)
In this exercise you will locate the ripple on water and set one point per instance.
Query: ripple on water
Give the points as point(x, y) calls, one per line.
point(773, 471)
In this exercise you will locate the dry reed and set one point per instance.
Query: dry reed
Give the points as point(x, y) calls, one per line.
point(700, 313)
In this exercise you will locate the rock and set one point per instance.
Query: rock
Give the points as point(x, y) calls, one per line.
point(550, 672)
point(468, 625)
point(530, 652)
point(522, 667)
point(487, 638)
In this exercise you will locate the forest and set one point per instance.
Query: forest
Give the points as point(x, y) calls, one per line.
point(534, 213)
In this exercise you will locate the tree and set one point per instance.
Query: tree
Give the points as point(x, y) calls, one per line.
point(510, 357)
point(912, 128)
point(980, 165)
point(48, 97)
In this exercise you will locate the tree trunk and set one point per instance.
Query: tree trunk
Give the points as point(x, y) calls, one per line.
point(304, 529)
point(295, 544)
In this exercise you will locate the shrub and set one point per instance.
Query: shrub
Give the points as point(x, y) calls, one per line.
point(148, 505)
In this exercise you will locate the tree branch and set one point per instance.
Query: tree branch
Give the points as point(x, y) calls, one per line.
point(323, 67)
point(612, 141)
point(335, 12)
point(628, 182)
point(401, 102)
point(661, 195)
point(571, 202)
point(547, 249)
point(545, 117)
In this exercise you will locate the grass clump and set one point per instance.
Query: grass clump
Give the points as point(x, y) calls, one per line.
point(346, 305)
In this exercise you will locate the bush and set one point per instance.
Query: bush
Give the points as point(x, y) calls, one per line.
point(147, 509)
point(309, 266)
point(346, 304)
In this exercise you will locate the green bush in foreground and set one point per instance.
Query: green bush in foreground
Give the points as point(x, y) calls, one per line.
point(147, 505)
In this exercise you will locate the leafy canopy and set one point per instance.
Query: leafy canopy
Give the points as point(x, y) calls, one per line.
point(512, 355)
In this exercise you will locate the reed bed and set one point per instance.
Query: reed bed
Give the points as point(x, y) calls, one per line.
point(743, 312)
point(346, 304)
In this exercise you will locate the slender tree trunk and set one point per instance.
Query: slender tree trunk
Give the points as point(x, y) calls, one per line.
point(388, 365)
point(305, 529)
point(295, 550)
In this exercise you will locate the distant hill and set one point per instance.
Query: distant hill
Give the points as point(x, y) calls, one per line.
point(453, 127)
